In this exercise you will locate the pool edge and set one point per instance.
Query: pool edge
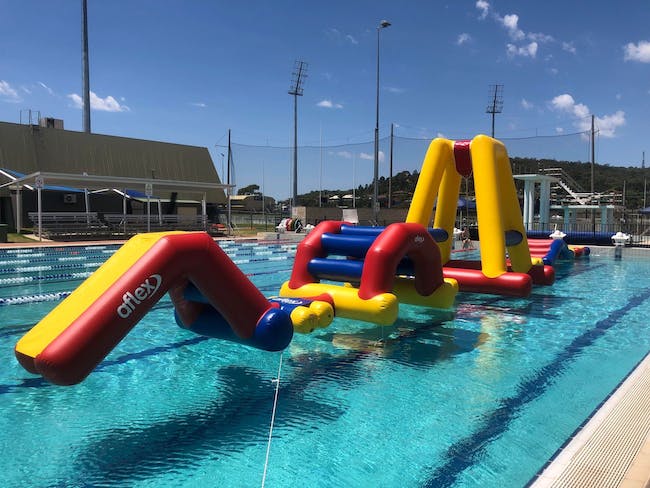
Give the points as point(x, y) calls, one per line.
point(613, 446)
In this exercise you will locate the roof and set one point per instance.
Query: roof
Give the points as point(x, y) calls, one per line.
point(28, 149)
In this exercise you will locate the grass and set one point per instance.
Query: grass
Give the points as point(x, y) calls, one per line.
point(13, 237)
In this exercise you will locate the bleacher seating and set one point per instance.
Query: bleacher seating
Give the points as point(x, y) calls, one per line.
point(66, 226)
point(81, 225)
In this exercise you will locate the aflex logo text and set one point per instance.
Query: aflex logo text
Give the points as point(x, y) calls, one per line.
point(140, 294)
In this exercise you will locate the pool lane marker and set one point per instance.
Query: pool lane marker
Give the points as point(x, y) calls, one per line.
point(467, 451)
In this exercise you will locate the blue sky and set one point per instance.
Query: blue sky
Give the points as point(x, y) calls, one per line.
point(187, 71)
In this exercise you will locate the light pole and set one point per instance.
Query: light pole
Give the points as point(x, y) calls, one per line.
point(222, 166)
point(375, 196)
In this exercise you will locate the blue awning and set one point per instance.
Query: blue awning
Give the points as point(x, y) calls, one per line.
point(17, 174)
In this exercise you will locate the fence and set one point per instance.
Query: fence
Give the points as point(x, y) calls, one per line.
point(337, 170)
point(585, 232)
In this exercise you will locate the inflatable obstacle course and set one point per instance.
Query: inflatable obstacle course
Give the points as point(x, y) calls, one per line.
point(361, 273)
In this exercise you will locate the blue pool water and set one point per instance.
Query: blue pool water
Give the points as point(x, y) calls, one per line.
point(482, 397)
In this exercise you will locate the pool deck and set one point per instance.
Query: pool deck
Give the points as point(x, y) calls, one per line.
point(612, 449)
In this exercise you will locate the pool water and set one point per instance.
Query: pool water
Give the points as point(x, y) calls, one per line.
point(483, 396)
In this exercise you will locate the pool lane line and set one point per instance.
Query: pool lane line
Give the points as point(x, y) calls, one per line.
point(496, 422)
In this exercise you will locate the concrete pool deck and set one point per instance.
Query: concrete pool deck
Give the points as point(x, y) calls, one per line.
point(612, 448)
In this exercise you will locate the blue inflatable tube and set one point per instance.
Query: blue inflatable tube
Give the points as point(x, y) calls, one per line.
point(273, 331)
point(580, 238)
point(347, 245)
point(439, 235)
point(349, 269)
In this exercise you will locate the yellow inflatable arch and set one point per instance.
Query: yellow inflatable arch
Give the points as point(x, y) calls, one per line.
point(500, 223)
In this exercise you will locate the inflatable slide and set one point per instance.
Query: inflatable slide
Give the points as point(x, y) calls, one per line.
point(73, 338)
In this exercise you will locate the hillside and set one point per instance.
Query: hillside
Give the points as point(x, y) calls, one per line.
point(606, 179)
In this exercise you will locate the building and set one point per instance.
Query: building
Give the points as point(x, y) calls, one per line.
point(252, 203)
point(103, 172)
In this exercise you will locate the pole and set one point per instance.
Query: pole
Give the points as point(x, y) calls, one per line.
point(390, 174)
point(124, 209)
point(263, 201)
point(85, 67)
point(19, 209)
point(593, 163)
point(320, 177)
point(299, 74)
point(593, 155)
point(645, 180)
point(294, 191)
point(354, 188)
point(375, 195)
point(40, 213)
point(228, 183)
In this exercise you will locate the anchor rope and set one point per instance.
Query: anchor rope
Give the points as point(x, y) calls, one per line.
point(275, 406)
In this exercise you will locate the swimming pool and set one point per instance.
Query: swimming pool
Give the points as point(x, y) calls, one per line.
point(482, 397)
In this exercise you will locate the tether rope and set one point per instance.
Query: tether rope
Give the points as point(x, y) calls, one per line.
point(275, 406)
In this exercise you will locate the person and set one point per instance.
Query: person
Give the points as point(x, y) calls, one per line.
point(465, 237)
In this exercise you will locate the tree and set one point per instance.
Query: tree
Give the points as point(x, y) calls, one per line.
point(249, 190)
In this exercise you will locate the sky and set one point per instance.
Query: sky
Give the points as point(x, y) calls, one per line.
point(188, 71)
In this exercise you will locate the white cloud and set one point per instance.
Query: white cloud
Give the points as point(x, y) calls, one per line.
point(559, 130)
point(526, 105)
point(47, 88)
point(26, 90)
point(8, 93)
point(563, 102)
point(510, 22)
point(328, 104)
point(344, 154)
point(529, 50)
point(371, 157)
point(484, 7)
point(618, 96)
point(463, 38)
point(394, 89)
point(606, 124)
point(108, 104)
point(351, 39)
point(195, 104)
point(339, 37)
point(569, 47)
point(523, 44)
point(540, 37)
point(637, 52)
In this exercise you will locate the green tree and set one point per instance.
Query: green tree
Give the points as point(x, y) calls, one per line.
point(249, 190)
